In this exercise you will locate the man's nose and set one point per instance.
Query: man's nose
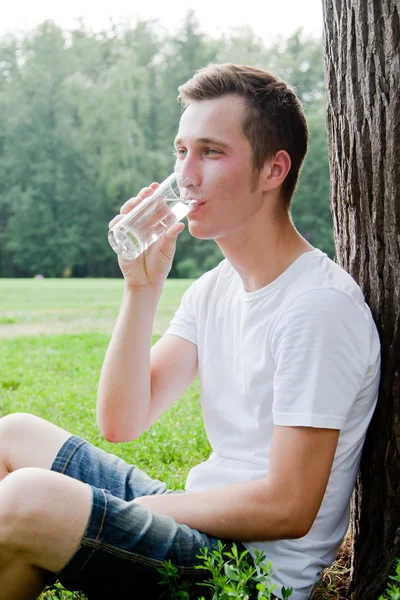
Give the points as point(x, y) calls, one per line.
point(190, 170)
point(188, 188)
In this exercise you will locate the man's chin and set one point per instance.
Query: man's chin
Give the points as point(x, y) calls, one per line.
point(198, 232)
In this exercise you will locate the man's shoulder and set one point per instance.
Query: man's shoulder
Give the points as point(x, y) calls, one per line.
point(322, 274)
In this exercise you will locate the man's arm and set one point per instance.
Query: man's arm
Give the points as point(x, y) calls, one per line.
point(281, 506)
point(138, 383)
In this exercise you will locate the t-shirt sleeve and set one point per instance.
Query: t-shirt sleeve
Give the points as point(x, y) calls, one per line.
point(184, 323)
point(321, 346)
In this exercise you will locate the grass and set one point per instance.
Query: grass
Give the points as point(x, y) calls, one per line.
point(48, 306)
point(54, 374)
point(56, 377)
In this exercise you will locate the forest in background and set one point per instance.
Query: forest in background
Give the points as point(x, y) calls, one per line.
point(87, 119)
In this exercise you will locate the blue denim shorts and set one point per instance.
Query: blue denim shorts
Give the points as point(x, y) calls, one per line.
point(124, 543)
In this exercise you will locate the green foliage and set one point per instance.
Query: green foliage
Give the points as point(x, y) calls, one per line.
point(393, 589)
point(57, 592)
point(174, 587)
point(88, 119)
point(232, 575)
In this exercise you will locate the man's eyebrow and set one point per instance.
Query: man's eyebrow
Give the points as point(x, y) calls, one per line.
point(204, 140)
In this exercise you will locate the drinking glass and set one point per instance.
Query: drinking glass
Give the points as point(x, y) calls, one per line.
point(153, 215)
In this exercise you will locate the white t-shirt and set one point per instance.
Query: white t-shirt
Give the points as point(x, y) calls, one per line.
point(301, 351)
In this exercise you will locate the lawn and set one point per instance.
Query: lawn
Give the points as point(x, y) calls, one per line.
point(50, 306)
point(56, 378)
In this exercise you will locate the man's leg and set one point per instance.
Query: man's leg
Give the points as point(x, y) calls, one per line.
point(43, 517)
point(25, 441)
point(28, 441)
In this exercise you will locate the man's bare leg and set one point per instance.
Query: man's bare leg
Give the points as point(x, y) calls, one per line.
point(43, 516)
point(28, 441)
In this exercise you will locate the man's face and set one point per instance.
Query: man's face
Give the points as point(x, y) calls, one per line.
point(212, 151)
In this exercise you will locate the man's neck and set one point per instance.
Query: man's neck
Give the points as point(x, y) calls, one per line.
point(265, 250)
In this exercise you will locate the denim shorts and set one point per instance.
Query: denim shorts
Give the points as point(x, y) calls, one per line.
point(125, 543)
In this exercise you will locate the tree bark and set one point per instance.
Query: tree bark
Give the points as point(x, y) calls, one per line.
point(362, 69)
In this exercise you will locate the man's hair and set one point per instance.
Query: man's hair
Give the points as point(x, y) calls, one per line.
point(274, 119)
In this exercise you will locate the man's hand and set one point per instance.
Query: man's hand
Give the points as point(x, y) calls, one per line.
point(151, 268)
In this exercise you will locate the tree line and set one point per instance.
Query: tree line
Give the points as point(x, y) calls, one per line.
point(87, 119)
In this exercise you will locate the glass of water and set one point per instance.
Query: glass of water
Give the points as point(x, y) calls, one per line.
point(153, 215)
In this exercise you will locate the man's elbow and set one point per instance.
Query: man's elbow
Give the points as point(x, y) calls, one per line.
point(297, 523)
point(116, 436)
point(115, 432)
point(291, 523)
point(297, 529)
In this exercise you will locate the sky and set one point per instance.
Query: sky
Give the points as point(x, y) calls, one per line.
point(268, 18)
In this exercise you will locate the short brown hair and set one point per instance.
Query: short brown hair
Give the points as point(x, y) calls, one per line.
point(274, 117)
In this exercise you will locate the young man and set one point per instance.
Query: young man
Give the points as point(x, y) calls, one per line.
point(288, 359)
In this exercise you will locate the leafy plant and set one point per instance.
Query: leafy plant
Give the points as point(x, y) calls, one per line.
point(175, 588)
point(57, 592)
point(235, 576)
point(393, 590)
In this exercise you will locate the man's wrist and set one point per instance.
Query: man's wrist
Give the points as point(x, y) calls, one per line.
point(143, 290)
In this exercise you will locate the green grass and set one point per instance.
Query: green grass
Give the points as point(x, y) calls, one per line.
point(48, 306)
point(56, 376)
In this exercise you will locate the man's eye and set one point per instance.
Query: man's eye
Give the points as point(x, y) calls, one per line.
point(179, 152)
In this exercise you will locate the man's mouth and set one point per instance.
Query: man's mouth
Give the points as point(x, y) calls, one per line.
point(195, 207)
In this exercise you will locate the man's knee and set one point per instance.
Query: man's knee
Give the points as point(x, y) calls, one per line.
point(12, 427)
point(13, 422)
point(29, 441)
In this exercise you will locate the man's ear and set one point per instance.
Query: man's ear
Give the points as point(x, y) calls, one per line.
point(275, 171)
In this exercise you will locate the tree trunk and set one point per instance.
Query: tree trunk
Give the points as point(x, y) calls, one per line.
point(362, 69)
